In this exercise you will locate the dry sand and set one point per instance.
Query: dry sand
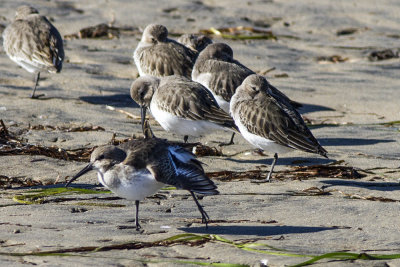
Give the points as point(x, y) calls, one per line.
point(348, 100)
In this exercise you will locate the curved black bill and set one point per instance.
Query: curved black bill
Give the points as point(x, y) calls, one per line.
point(89, 167)
point(143, 116)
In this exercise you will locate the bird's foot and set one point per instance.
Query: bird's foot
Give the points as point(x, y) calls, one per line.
point(267, 180)
point(37, 96)
point(138, 226)
point(205, 219)
point(226, 144)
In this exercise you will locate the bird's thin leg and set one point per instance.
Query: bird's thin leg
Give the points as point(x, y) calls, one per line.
point(230, 142)
point(204, 215)
point(137, 216)
point(268, 179)
point(36, 84)
point(185, 138)
point(272, 168)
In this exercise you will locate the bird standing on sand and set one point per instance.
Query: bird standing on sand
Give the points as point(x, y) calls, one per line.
point(216, 69)
point(219, 72)
point(159, 56)
point(34, 43)
point(141, 167)
point(180, 105)
point(269, 121)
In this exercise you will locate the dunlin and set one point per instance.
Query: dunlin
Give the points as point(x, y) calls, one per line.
point(34, 43)
point(141, 167)
point(195, 42)
point(180, 105)
point(270, 122)
point(159, 56)
point(219, 72)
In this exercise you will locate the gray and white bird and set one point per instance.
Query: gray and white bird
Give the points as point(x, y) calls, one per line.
point(269, 121)
point(219, 72)
point(180, 105)
point(159, 56)
point(141, 167)
point(195, 42)
point(34, 43)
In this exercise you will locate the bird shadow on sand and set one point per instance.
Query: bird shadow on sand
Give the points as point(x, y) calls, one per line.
point(351, 141)
point(376, 186)
point(20, 88)
point(44, 92)
point(117, 100)
point(255, 230)
point(301, 161)
point(308, 108)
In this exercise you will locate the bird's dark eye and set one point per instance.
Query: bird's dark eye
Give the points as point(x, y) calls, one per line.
point(254, 88)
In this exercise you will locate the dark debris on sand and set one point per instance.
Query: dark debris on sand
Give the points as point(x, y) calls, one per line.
point(10, 182)
point(383, 54)
point(102, 31)
point(331, 170)
point(13, 145)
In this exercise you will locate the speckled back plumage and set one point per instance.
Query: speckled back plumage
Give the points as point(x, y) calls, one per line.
point(226, 74)
point(271, 117)
point(188, 99)
point(169, 164)
point(195, 42)
point(33, 42)
point(159, 56)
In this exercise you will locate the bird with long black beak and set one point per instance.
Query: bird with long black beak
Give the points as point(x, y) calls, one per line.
point(180, 105)
point(140, 167)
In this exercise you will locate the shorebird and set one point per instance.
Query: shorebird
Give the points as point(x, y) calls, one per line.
point(159, 56)
point(195, 42)
point(219, 72)
point(34, 43)
point(140, 167)
point(216, 69)
point(180, 105)
point(269, 121)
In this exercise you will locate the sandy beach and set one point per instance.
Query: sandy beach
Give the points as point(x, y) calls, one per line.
point(339, 58)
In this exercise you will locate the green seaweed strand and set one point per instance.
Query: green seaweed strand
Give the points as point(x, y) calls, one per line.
point(37, 196)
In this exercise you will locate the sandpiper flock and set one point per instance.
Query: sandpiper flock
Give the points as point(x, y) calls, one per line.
point(191, 86)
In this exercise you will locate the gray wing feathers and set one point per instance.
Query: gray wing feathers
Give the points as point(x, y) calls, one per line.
point(166, 59)
point(171, 165)
point(225, 77)
point(279, 122)
point(190, 177)
point(282, 97)
point(35, 42)
point(192, 101)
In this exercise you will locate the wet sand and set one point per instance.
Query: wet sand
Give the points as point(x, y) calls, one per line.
point(350, 103)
